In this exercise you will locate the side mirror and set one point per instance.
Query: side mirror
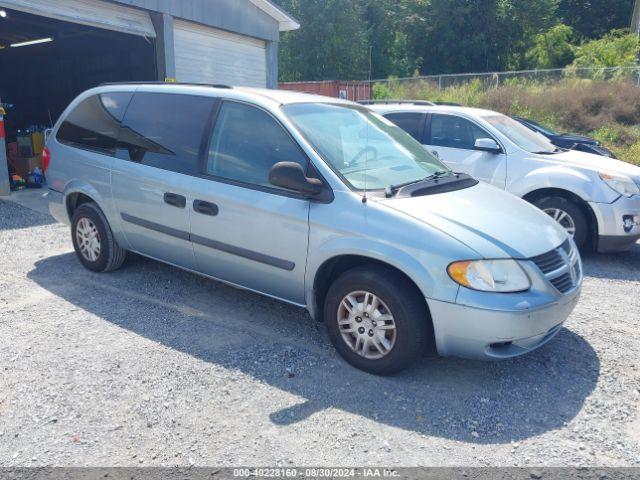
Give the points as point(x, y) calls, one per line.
point(487, 145)
point(290, 175)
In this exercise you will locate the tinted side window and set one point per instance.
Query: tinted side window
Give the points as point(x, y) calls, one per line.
point(409, 122)
point(455, 132)
point(245, 144)
point(165, 131)
point(94, 123)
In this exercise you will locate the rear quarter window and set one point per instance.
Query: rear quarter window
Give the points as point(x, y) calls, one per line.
point(94, 124)
point(412, 123)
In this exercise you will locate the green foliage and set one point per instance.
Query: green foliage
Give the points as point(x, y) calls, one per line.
point(389, 22)
point(380, 91)
point(611, 134)
point(594, 18)
point(624, 141)
point(481, 35)
point(351, 39)
point(616, 49)
point(552, 49)
point(333, 43)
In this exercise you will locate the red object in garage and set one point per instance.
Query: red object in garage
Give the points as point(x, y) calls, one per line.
point(46, 159)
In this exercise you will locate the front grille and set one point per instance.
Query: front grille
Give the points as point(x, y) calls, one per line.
point(563, 283)
point(548, 262)
point(561, 266)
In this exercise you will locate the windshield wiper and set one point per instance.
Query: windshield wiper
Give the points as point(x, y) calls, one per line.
point(391, 189)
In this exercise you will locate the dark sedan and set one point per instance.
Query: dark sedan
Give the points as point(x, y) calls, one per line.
point(568, 140)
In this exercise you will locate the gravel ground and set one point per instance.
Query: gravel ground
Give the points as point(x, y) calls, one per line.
point(151, 365)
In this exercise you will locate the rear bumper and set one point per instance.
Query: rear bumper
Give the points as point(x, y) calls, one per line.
point(486, 334)
point(618, 223)
point(57, 207)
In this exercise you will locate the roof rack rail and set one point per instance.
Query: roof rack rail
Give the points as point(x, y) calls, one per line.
point(423, 103)
point(160, 82)
point(448, 104)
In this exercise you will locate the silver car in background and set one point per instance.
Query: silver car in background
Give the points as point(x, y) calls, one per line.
point(595, 198)
point(320, 203)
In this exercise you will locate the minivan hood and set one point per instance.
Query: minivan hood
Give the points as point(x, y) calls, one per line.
point(490, 221)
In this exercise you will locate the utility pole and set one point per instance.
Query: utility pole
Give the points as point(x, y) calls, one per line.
point(4, 167)
point(635, 28)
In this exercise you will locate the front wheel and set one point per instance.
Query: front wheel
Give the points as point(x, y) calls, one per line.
point(377, 320)
point(568, 214)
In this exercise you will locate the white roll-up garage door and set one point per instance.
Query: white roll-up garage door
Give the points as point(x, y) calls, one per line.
point(95, 13)
point(208, 55)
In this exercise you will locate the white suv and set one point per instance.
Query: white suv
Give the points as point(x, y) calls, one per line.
point(596, 199)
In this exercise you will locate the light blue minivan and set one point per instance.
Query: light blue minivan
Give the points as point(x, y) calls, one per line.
point(318, 202)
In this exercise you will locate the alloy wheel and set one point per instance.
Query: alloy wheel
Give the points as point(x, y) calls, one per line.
point(563, 218)
point(367, 325)
point(88, 239)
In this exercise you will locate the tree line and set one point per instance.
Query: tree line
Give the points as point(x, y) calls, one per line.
point(358, 39)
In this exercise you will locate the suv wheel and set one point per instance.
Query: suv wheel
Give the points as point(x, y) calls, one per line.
point(568, 214)
point(376, 320)
point(93, 240)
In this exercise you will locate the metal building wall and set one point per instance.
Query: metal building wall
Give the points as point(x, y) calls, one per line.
point(238, 16)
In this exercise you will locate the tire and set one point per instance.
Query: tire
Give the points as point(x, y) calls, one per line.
point(574, 212)
point(111, 256)
point(399, 298)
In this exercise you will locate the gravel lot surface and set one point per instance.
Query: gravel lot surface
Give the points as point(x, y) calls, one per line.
point(151, 365)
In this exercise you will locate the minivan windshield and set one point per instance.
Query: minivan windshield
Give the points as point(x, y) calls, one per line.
point(367, 150)
point(523, 137)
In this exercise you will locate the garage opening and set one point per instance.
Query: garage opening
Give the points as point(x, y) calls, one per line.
point(44, 64)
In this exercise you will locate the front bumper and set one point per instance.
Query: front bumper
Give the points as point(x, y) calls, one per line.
point(480, 333)
point(618, 223)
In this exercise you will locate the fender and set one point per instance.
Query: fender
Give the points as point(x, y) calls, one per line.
point(432, 281)
point(562, 177)
point(86, 188)
point(105, 204)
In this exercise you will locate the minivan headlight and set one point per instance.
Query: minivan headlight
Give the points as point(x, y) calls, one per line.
point(501, 276)
point(620, 183)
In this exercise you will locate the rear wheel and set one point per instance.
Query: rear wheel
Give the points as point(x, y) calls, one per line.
point(376, 319)
point(568, 214)
point(93, 240)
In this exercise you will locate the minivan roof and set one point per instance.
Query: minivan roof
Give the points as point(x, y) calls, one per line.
point(258, 95)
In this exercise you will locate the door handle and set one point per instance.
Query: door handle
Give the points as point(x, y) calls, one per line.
point(205, 208)
point(435, 153)
point(175, 200)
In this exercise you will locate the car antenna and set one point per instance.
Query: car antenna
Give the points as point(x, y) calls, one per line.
point(364, 197)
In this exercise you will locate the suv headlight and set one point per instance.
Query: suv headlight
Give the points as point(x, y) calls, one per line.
point(620, 183)
point(501, 276)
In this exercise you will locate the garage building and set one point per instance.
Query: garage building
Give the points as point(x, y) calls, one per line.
point(51, 50)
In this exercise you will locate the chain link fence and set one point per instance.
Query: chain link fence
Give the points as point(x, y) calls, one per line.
point(359, 90)
point(496, 79)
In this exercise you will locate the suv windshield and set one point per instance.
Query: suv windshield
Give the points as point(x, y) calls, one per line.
point(523, 137)
point(367, 150)
point(543, 129)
